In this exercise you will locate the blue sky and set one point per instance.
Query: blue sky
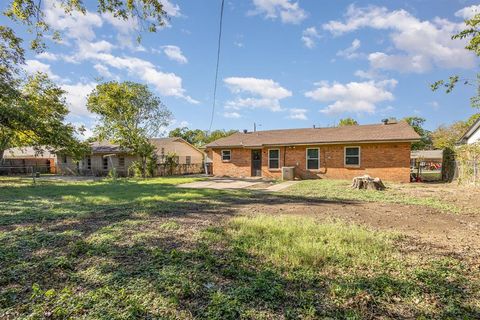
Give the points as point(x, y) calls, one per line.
point(284, 63)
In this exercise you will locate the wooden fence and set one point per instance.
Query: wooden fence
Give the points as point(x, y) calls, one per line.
point(179, 169)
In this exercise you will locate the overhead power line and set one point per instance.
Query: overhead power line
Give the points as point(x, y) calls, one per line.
point(216, 69)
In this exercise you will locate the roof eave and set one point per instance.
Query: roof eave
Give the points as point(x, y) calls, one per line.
point(313, 143)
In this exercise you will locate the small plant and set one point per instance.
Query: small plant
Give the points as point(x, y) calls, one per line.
point(171, 162)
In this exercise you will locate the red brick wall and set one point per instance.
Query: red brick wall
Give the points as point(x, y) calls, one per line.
point(238, 166)
point(388, 161)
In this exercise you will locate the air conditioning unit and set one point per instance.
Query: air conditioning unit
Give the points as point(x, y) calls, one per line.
point(288, 173)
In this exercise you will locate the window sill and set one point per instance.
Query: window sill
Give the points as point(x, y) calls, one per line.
point(352, 166)
point(226, 161)
point(274, 169)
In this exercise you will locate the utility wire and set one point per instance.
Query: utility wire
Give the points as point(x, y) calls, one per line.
point(216, 69)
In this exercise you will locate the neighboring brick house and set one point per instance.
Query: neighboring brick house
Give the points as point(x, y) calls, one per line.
point(380, 150)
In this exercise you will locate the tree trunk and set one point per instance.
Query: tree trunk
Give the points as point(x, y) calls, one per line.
point(144, 167)
point(368, 183)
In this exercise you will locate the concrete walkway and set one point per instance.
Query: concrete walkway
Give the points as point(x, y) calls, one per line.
point(233, 184)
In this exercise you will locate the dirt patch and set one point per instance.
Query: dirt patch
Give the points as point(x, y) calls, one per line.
point(466, 198)
point(445, 232)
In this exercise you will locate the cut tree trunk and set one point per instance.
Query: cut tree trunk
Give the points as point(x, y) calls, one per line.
point(368, 183)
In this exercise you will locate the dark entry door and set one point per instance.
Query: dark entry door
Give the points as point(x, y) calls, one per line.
point(257, 163)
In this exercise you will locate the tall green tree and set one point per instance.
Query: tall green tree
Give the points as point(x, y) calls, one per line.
point(446, 137)
point(199, 137)
point(35, 116)
point(129, 113)
point(425, 136)
point(347, 122)
point(22, 119)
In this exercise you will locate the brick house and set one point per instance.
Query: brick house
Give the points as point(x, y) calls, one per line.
point(380, 150)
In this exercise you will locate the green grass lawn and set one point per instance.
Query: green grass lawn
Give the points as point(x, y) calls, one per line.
point(146, 249)
point(340, 190)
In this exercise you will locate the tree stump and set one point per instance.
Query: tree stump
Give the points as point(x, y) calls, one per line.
point(368, 183)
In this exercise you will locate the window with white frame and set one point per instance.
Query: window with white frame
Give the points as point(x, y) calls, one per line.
point(226, 155)
point(352, 156)
point(313, 158)
point(273, 158)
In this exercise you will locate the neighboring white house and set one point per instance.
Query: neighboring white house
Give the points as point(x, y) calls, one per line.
point(472, 135)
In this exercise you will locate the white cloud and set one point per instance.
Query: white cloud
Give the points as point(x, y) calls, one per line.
point(435, 105)
point(173, 10)
point(80, 28)
point(468, 12)
point(297, 114)
point(232, 115)
point(47, 56)
point(419, 45)
point(127, 31)
point(76, 95)
point(254, 103)
point(174, 53)
point(354, 97)
point(369, 74)
point(350, 52)
point(34, 66)
point(309, 37)
point(261, 93)
point(88, 49)
point(288, 11)
point(266, 88)
point(103, 70)
point(75, 25)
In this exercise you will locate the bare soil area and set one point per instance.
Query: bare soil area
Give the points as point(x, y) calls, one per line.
point(467, 198)
point(447, 233)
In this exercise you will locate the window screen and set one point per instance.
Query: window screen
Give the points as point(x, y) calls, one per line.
point(352, 156)
point(226, 155)
point(273, 159)
point(313, 159)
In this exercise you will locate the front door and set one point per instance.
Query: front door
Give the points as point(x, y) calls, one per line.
point(257, 163)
